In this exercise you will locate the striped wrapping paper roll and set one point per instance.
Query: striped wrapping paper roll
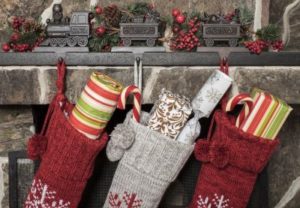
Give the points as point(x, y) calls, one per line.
point(267, 116)
point(96, 105)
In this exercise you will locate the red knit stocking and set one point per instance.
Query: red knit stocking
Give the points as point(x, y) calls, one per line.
point(67, 157)
point(231, 161)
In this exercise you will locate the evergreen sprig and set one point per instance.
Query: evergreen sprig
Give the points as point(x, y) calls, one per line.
point(139, 8)
point(246, 15)
point(269, 33)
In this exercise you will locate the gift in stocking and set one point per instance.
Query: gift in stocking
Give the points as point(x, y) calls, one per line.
point(231, 159)
point(150, 162)
point(67, 156)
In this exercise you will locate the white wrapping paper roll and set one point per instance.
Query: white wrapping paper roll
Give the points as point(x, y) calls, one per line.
point(211, 93)
point(204, 103)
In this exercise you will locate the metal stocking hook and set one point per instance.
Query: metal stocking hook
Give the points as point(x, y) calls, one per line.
point(138, 52)
point(138, 72)
point(60, 60)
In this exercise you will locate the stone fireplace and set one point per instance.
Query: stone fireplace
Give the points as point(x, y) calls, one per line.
point(28, 84)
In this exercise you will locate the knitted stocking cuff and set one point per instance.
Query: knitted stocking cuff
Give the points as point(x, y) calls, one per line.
point(231, 161)
point(123, 137)
point(66, 164)
point(146, 168)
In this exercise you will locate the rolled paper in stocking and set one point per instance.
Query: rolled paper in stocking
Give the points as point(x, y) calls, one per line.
point(211, 93)
point(204, 103)
point(95, 105)
point(238, 99)
point(171, 114)
point(135, 91)
point(268, 115)
point(191, 130)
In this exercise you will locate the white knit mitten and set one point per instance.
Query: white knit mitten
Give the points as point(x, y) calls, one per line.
point(147, 167)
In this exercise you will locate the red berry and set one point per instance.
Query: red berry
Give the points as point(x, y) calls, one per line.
point(25, 46)
point(100, 30)
point(175, 29)
point(5, 47)
point(98, 10)
point(277, 45)
point(15, 37)
point(180, 19)
point(175, 12)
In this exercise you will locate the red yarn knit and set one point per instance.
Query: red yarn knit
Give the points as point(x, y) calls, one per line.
point(67, 157)
point(231, 161)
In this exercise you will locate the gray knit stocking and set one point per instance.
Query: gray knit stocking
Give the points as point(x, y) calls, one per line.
point(150, 162)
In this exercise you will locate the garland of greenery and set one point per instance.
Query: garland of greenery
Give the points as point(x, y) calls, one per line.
point(25, 34)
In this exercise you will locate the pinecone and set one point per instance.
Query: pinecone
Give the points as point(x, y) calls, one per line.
point(112, 15)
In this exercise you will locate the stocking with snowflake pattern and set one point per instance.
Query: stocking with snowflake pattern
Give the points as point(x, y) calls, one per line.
point(150, 161)
point(67, 156)
point(231, 159)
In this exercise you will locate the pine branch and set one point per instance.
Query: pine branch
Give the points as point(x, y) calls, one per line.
point(269, 33)
point(246, 15)
point(139, 8)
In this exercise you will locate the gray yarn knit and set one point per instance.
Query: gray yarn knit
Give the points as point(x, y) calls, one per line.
point(146, 168)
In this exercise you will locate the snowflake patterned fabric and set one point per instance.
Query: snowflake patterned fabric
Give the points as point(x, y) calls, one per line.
point(126, 201)
point(215, 202)
point(42, 196)
point(147, 167)
point(231, 159)
point(67, 157)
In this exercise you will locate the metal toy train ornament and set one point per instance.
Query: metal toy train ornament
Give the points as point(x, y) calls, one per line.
point(74, 31)
point(140, 28)
point(216, 28)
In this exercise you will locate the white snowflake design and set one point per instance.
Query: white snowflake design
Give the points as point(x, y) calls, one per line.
point(213, 95)
point(216, 202)
point(214, 78)
point(41, 196)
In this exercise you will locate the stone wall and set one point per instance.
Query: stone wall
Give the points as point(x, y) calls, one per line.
point(16, 126)
point(276, 11)
point(284, 167)
point(37, 85)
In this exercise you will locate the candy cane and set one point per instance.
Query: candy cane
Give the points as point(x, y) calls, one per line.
point(135, 91)
point(240, 98)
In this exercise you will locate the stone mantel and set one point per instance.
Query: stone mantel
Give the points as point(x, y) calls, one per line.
point(29, 78)
point(151, 59)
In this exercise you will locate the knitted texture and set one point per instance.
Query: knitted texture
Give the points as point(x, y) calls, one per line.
point(122, 137)
point(146, 168)
point(231, 161)
point(67, 160)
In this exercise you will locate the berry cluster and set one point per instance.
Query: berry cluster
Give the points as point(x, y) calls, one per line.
point(186, 32)
point(277, 45)
point(100, 30)
point(16, 22)
point(229, 17)
point(26, 35)
point(258, 46)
